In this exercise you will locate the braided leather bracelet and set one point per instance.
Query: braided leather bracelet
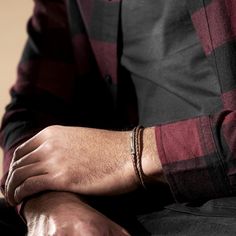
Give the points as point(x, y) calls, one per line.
point(136, 153)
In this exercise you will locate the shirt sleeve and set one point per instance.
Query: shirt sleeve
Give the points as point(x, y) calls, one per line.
point(199, 154)
point(41, 95)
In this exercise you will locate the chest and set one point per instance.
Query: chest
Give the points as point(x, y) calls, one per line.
point(103, 18)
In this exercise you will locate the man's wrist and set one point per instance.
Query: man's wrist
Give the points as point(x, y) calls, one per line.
point(39, 203)
point(151, 164)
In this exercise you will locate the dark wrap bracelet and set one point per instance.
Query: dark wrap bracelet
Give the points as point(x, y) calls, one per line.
point(136, 152)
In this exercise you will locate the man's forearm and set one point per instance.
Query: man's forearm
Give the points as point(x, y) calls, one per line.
point(42, 201)
point(95, 162)
point(63, 213)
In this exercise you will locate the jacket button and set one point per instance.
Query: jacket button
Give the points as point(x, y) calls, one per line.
point(108, 79)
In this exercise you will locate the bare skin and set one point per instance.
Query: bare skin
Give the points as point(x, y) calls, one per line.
point(49, 214)
point(80, 160)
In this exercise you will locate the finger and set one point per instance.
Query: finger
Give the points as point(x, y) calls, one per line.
point(28, 159)
point(32, 186)
point(26, 147)
point(20, 175)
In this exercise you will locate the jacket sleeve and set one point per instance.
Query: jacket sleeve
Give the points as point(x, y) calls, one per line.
point(199, 155)
point(43, 91)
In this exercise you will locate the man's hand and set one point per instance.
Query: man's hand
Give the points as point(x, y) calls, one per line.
point(75, 159)
point(58, 213)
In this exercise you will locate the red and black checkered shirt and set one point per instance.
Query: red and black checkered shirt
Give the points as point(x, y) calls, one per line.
point(114, 64)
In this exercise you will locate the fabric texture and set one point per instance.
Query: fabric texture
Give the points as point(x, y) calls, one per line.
point(87, 63)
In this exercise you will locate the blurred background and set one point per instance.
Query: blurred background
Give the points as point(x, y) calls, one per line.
point(13, 18)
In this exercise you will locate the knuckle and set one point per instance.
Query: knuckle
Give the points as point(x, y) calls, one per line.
point(15, 174)
point(17, 151)
point(45, 133)
point(55, 181)
point(49, 146)
point(14, 165)
point(50, 130)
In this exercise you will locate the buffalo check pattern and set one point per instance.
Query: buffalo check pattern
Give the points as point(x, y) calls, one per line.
point(70, 74)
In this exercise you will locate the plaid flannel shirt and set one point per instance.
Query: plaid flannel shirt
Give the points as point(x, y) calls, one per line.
point(70, 73)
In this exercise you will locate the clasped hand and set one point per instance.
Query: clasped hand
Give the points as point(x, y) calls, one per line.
point(73, 159)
